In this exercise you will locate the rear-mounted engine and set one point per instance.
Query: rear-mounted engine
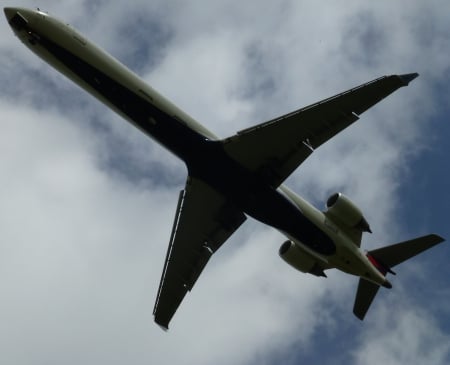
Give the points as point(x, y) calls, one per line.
point(299, 259)
point(342, 210)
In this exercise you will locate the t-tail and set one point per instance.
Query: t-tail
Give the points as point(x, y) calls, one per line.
point(384, 259)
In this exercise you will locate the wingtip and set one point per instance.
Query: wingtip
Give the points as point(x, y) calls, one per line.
point(407, 78)
point(437, 238)
point(163, 327)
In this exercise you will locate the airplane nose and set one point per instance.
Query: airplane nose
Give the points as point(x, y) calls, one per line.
point(18, 19)
point(9, 13)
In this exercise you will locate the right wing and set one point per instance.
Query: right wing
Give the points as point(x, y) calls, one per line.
point(273, 150)
point(203, 222)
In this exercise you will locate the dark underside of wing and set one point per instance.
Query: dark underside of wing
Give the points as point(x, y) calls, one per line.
point(273, 150)
point(203, 222)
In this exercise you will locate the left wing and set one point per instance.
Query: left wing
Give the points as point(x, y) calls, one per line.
point(203, 222)
point(273, 150)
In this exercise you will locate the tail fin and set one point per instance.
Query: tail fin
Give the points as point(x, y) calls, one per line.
point(384, 259)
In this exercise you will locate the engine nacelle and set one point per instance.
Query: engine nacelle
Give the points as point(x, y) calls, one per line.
point(342, 210)
point(300, 259)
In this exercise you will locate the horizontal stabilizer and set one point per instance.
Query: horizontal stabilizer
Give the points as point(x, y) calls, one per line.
point(364, 296)
point(393, 255)
point(384, 258)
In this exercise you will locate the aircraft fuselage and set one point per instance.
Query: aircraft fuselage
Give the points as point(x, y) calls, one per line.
point(115, 85)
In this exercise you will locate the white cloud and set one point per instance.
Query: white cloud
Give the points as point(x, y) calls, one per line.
point(414, 337)
point(83, 233)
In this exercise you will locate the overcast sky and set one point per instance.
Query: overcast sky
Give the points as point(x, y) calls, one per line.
point(87, 201)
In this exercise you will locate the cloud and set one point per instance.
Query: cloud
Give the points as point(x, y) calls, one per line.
point(415, 337)
point(88, 202)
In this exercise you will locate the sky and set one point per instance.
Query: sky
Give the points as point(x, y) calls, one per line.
point(87, 201)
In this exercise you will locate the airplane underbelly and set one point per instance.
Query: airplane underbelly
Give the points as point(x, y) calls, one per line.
point(272, 208)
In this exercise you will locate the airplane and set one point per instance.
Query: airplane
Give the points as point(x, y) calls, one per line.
point(239, 176)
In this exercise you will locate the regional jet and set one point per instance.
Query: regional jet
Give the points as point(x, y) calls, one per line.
point(233, 178)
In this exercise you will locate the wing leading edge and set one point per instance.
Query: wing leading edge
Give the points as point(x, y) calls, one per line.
point(274, 149)
point(203, 222)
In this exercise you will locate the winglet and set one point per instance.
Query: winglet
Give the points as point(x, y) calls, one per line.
point(407, 78)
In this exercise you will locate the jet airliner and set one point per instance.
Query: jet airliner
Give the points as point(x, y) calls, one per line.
point(232, 178)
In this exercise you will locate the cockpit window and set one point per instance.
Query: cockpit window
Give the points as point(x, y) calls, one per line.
point(18, 22)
